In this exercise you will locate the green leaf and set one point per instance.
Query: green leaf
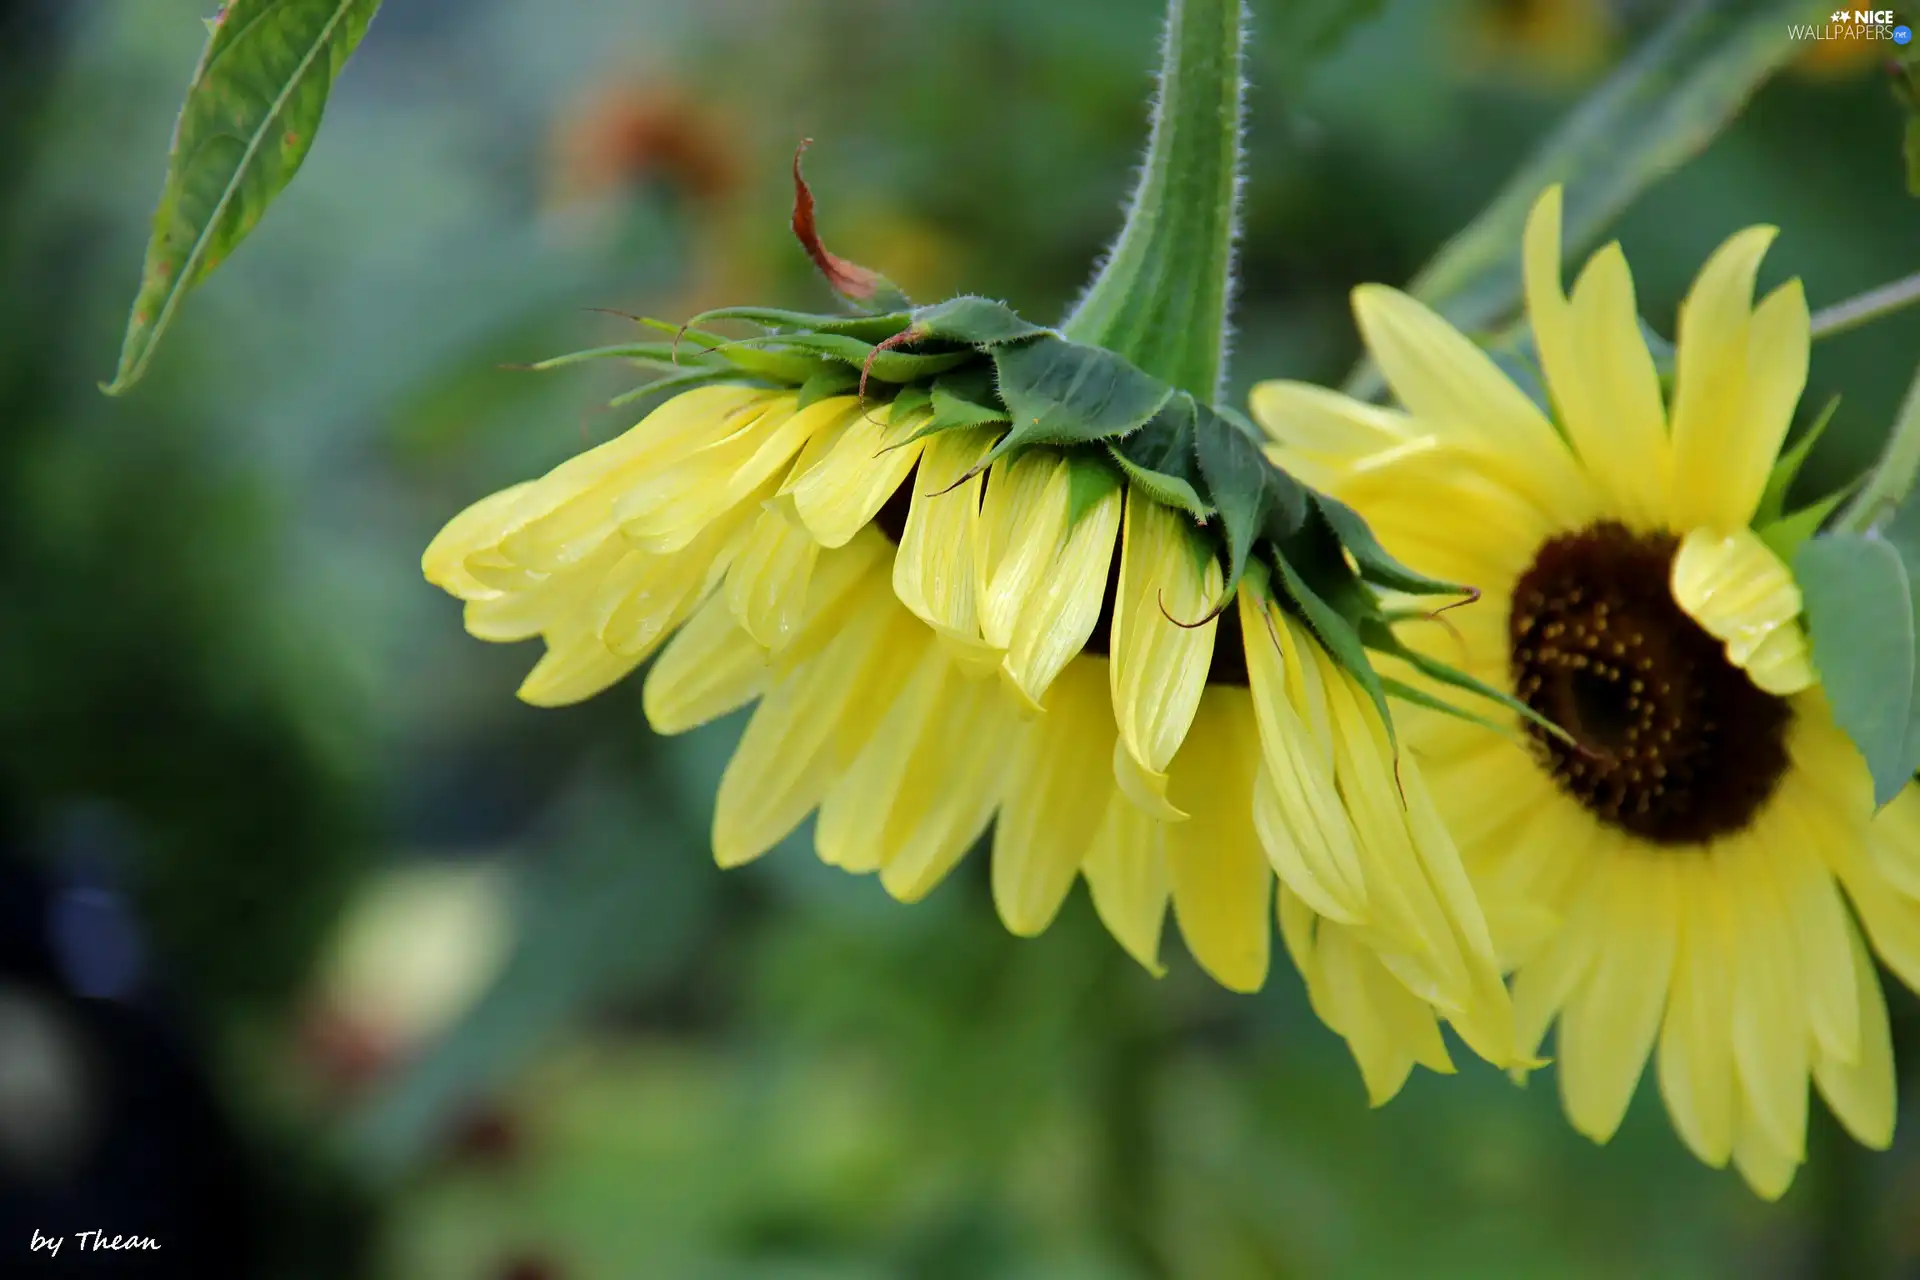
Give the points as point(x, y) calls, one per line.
point(654, 353)
point(1660, 108)
point(911, 401)
point(1785, 535)
point(775, 365)
point(1161, 296)
point(1158, 459)
point(885, 366)
point(1420, 697)
point(834, 380)
point(1337, 636)
point(250, 115)
point(1859, 606)
point(1376, 566)
point(1378, 635)
point(965, 398)
point(1773, 503)
point(696, 377)
point(1088, 481)
point(1060, 392)
point(865, 328)
point(1255, 498)
point(978, 322)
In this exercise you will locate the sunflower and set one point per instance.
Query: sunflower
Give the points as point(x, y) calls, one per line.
point(1700, 837)
point(938, 636)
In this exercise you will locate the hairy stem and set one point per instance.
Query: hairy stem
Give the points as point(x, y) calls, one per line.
point(1161, 297)
point(1892, 477)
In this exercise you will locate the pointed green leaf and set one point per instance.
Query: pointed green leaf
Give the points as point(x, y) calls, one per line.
point(833, 380)
point(1337, 636)
point(250, 114)
point(1785, 535)
point(885, 366)
point(1254, 497)
point(699, 377)
point(1773, 503)
point(1420, 697)
point(1089, 480)
point(1376, 566)
point(966, 398)
point(655, 353)
point(865, 328)
point(1158, 459)
point(1378, 635)
point(1860, 614)
point(978, 322)
point(1059, 392)
point(788, 367)
point(911, 401)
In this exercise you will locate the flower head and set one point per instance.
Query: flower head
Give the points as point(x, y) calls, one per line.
point(1682, 866)
point(979, 572)
point(938, 636)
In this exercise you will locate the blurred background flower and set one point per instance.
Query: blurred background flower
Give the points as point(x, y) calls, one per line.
point(227, 704)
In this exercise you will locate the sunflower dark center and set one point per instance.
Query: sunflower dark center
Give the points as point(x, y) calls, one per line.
point(1671, 742)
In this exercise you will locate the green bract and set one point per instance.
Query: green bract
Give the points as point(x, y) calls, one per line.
point(971, 362)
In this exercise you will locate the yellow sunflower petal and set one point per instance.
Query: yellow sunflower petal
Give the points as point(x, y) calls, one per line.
point(1696, 1038)
point(1771, 1039)
point(1767, 1166)
point(1315, 420)
point(934, 571)
point(851, 830)
point(1063, 611)
point(574, 508)
point(840, 494)
point(1620, 425)
point(1023, 525)
point(1387, 1030)
point(767, 582)
point(1821, 933)
point(667, 508)
point(1057, 799)
point(1127, 878)
point(1778, 347)
point(1220, 877)
point(950, 788)
point(1743, 595)
point(1862, 1091)
point(1608, 1025)
point(1714, 446)
point(531, 609)
point(1541, 989)
point(1297, 810)
point(784, 764)
point(709, 668)
point(480, 526)
point(573, 669)
point(1159, 665)
point(1454, 388)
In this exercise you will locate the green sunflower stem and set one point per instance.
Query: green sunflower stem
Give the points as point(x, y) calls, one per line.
point(1161, 297)
point(1891, 479)
point(1867, 307)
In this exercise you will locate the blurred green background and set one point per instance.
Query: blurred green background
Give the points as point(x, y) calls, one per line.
point(325, 957)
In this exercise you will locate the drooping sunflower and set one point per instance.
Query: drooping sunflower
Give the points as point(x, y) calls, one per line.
point(943, 637)
point(1701, 836)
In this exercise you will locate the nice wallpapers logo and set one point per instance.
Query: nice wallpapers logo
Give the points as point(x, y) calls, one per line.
point(1855, 24)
